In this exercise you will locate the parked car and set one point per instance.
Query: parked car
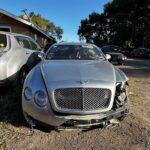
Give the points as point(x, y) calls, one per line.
point(116, 53)
point(74, 86)
point(141, 53)
point(47, 46)
point(127, 52)
point(18, 54)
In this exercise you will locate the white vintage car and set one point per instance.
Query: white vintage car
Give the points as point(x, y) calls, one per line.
point(74, 86)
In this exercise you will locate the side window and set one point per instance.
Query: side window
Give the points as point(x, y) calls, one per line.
point(19, 40)
point(34, 46)
point(3, 42)
point(26, 43)
point(23, 42)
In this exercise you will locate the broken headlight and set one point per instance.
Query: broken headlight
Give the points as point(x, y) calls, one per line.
point(121, 94)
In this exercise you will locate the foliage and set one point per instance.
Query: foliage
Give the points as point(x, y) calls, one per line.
point(123, 22)
point(46, 25)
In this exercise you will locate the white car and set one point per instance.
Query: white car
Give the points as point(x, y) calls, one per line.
point(18, 54)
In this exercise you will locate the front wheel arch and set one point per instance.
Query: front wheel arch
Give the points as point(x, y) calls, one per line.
point(22, 74)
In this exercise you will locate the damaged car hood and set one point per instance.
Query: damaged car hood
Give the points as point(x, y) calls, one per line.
point(78, 70)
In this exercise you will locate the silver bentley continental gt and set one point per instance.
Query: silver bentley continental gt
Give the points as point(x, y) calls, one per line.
point(75, 86)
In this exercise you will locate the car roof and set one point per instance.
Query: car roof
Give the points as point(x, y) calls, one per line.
point(13, 34)
point(111, 46)
point(73, 43)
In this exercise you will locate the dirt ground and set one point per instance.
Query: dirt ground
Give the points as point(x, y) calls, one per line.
point(131, 134)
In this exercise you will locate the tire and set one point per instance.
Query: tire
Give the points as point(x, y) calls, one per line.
point(29, 120)
point(36, 124)
point(122, 117)
point(22, 76)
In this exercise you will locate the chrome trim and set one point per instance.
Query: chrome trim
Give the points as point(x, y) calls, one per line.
point(66, 84)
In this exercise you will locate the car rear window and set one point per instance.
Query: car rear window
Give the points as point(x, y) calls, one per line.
point(23, 42)
point(3, 42)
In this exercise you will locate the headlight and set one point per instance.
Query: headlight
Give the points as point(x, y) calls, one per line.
point(124, 57)
point(40, 98)
point(28, 93)
point(121, 94)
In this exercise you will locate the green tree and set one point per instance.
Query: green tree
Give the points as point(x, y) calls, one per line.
point(94, 29)
point(45, 25)
point(123, 22)
point(129, 22)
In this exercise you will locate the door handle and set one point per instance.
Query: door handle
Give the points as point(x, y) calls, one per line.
point(27, 53)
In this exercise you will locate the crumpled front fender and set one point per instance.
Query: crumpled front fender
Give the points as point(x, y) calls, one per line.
point(120, 75)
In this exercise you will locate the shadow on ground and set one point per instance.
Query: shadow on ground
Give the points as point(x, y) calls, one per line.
point(11, 109)
point(10, 106)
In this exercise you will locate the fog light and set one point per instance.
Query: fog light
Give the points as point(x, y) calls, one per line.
point(28, 93)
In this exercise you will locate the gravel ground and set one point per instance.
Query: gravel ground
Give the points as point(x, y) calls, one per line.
point(132, 133)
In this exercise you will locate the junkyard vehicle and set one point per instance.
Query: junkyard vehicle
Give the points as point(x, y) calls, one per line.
point(116, 53)
point(47, 46)
point(74, 86)
point(18, 54)
point(141, 53)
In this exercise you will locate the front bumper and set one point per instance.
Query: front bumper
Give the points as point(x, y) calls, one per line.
point(116, 58)
point(47, 116)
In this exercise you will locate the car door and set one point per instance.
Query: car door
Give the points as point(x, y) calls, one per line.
point(35, 50)
point(24, 52)
point(25, 47)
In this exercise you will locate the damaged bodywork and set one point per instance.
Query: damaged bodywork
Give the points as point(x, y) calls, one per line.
point(75, 91)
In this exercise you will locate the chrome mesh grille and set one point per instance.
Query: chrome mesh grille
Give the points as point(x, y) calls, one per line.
point(82, 99)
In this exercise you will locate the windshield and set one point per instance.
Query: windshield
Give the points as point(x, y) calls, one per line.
point(81, 52)
point(3, 42)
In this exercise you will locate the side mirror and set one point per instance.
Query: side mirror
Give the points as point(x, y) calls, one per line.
point(41, 55)
point(108, 56)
